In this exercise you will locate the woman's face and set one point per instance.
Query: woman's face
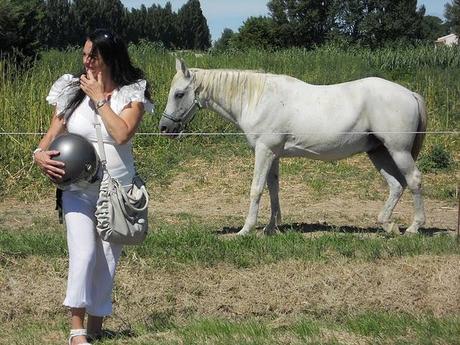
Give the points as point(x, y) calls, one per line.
point(93, 62)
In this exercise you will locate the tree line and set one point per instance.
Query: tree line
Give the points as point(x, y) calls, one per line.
point(29, 25)
point(369, 23)
point(26, 26)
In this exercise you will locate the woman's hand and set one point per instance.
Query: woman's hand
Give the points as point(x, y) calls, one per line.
point(52, 168)
point(93, 87)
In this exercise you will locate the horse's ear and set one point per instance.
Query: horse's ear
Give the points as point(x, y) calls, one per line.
point(181, 67)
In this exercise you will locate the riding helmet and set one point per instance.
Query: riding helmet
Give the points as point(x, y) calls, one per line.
point(80, 158)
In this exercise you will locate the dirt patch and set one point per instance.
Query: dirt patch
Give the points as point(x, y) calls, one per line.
point(423, 284)
point(414, 285)
point(219, 191)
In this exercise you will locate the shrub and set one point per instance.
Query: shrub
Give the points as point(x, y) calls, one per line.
point(437, 158)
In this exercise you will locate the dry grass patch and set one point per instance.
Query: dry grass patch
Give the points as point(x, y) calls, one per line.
point(423, 284)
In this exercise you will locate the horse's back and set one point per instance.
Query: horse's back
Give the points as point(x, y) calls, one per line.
point(383, 104)
point(331, 121)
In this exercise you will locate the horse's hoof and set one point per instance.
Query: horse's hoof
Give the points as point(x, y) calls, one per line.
point(270, 230)
point(412, 230)
point(391, 228)
point(242, 232)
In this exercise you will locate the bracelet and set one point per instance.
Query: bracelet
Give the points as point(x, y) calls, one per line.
point(100, 103)
point(38, 149)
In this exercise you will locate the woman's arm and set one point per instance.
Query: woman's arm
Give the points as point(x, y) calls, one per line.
point(120, 127)
point(43, 158)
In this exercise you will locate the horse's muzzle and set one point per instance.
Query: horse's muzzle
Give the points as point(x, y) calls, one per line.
point(169, 128)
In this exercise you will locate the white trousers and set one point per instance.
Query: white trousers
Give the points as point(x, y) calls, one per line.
point(92, 262)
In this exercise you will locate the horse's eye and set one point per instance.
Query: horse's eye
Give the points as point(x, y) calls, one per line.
point(179, 95)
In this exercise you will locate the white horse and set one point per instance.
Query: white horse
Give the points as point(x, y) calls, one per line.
point(285, 117)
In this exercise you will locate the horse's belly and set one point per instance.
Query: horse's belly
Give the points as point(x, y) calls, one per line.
point(330, 151)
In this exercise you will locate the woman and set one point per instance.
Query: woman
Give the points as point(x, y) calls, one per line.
point(113, 88)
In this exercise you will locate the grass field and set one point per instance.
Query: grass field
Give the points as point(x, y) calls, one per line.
point(194, 283)
point(434, 73)
point(330, 276)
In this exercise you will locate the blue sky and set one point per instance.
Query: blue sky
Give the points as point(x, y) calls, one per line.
point(222, 14)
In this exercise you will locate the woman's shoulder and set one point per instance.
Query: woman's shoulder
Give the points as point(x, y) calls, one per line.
point(62, 90)
point(64, 81)
point(134, 92)
point(136, 89)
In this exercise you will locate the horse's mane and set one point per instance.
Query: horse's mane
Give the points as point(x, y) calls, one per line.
point(237, 88)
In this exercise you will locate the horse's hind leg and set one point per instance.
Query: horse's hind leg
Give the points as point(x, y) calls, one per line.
point(385, 164)
point(273, 189)
point(406, 164)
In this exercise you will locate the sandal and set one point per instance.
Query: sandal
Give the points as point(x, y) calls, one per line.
point(77, 332)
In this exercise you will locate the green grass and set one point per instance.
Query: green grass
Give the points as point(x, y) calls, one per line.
point(193, 241)
point(373, 328)
point(198, 244)
point(434, 73)
point(189, 244)
point(405, 328)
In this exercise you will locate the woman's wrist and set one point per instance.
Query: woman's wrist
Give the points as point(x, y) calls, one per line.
point(37, 150)
point(100, 103)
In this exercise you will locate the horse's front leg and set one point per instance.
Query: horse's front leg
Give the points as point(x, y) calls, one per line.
point(263, 161)
point(273, 189)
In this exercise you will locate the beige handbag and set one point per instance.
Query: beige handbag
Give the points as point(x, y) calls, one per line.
point(121, 215)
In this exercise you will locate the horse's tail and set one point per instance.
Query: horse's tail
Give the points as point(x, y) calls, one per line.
point(421, 128)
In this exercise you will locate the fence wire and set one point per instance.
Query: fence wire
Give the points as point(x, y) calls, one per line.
point(250, 133)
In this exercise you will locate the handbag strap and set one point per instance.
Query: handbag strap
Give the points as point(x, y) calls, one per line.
point(100, 143)
point(121, 190)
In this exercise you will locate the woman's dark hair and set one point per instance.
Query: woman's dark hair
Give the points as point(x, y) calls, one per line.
point(115, 55)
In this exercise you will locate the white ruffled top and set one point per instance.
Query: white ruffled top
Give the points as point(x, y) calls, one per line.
point(64, 88)
point(120, 162)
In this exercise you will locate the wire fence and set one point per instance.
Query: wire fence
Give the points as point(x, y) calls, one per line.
point(254, 133)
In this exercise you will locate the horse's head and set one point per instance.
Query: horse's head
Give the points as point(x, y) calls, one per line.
point(182, 101)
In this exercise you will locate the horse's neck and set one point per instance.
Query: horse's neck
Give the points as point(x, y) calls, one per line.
point(222, 110)
point(220, 93)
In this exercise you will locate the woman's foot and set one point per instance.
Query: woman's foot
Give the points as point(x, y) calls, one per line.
point(78, 337)
point(79, 340)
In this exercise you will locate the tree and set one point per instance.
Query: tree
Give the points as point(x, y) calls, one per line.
point(223, 43)
point(433, 28)
point(377, 22)
point(59, 25)
point(301, 23)
point(193, 30)
point(168, 26)
point(161, 25)
point(20, 23)
point(9, 21)
point(256, 32)
point(350, 17)
point(452, 14)
point(94, 14)
point(136, 24)
point(404, 20)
